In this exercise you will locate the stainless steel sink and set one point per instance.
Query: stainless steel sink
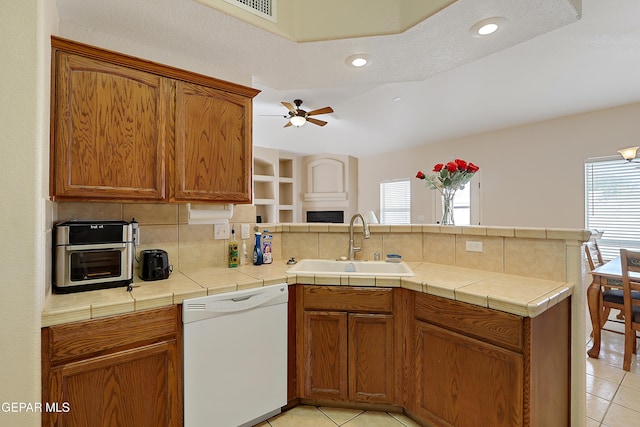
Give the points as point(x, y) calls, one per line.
point(351, 268)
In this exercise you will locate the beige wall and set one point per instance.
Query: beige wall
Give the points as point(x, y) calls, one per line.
point(25, 27)
point(531, 175)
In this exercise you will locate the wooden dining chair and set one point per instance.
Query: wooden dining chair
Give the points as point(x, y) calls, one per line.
point(594, 256)
point(611, 298)
point(630, 262)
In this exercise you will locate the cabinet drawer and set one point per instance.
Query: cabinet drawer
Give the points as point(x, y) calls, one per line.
point(100, 336)
point(351, 299)
point(499, 328)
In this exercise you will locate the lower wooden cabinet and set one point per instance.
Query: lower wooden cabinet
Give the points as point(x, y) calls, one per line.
point(473, 366)
point(347, 344)
point(371, 358)
point(325, 355)
point(466, 382)
point(447, 363)
point(118, 371)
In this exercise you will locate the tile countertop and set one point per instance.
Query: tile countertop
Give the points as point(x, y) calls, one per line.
point(523, 296)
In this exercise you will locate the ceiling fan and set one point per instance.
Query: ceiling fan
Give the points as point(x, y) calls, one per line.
point(298, 117)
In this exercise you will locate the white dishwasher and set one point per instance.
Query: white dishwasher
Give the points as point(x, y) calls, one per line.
point(235, 357)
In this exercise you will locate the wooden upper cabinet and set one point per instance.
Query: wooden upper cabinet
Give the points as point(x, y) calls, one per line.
point(212, 145)
point(110, 131)
point(126, 129)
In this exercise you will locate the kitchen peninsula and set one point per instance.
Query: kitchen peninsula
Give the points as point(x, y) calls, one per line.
point(523, 289)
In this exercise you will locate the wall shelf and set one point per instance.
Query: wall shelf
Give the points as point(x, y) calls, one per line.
point(274, 187)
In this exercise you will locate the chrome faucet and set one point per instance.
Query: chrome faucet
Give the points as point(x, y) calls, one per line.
point(352, 248)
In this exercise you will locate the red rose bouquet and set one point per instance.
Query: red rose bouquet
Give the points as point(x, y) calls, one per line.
point(453, 175)
point(447, 180)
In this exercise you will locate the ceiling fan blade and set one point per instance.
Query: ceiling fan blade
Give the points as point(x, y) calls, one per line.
point(316, 121)
point(325, 110)
point(287, 125)
point(289, 107)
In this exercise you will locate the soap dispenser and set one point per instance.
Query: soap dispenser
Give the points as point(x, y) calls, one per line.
point(233, 249)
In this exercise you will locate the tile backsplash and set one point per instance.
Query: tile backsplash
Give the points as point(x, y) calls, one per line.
point(165, 226)
point(540, 253)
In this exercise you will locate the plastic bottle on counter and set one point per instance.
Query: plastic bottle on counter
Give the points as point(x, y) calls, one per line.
point(267, 256)
point(245, 256)
point(257, 250)
point(233, 249)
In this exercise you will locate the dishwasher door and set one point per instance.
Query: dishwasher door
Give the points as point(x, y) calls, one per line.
point(235, 357)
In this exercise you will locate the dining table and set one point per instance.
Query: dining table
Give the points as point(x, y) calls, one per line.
point(608, 275)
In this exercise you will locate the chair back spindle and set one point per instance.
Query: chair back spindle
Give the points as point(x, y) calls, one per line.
point(630, 262)
point(594, 256)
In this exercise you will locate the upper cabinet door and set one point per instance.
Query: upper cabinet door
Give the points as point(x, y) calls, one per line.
point(111, 125)
point(213, 148)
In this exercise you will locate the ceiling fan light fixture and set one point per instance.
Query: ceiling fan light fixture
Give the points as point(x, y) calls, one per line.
point(298, 121)
point(629, 153)
point(487, 26)
point(357, 60)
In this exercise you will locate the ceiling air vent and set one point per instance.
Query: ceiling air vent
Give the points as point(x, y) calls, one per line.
point(263, 8)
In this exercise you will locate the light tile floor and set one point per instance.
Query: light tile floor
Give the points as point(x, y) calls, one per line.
point(311, 416)
point(613, 396)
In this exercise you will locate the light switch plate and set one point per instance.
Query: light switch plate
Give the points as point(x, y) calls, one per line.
point(220, 231)
point(473, 246)
point(245, 231)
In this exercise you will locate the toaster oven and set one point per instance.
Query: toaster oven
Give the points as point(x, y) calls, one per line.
point(92, 255)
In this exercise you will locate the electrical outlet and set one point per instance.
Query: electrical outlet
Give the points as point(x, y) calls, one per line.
point(474, 246)
point(245, 231)
point(220, 231)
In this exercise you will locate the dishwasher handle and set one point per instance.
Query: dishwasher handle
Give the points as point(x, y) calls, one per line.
point(240, 303)
point(219, 305)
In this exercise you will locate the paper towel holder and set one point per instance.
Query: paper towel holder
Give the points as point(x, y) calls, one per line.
point(209, 214)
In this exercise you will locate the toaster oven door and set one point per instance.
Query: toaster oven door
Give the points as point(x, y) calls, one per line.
point(93, 264)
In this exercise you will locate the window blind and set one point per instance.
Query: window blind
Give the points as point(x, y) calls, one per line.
point(395, 202)
point(462, 206)
point(612, 204)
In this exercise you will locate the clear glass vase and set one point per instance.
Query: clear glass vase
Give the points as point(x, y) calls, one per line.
point(447, 206)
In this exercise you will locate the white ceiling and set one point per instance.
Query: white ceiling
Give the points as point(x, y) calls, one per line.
point(547, 62)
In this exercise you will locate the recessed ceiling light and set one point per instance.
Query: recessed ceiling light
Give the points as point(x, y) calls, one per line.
point(487, 29)
point(357, 60)
point(487, 26)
